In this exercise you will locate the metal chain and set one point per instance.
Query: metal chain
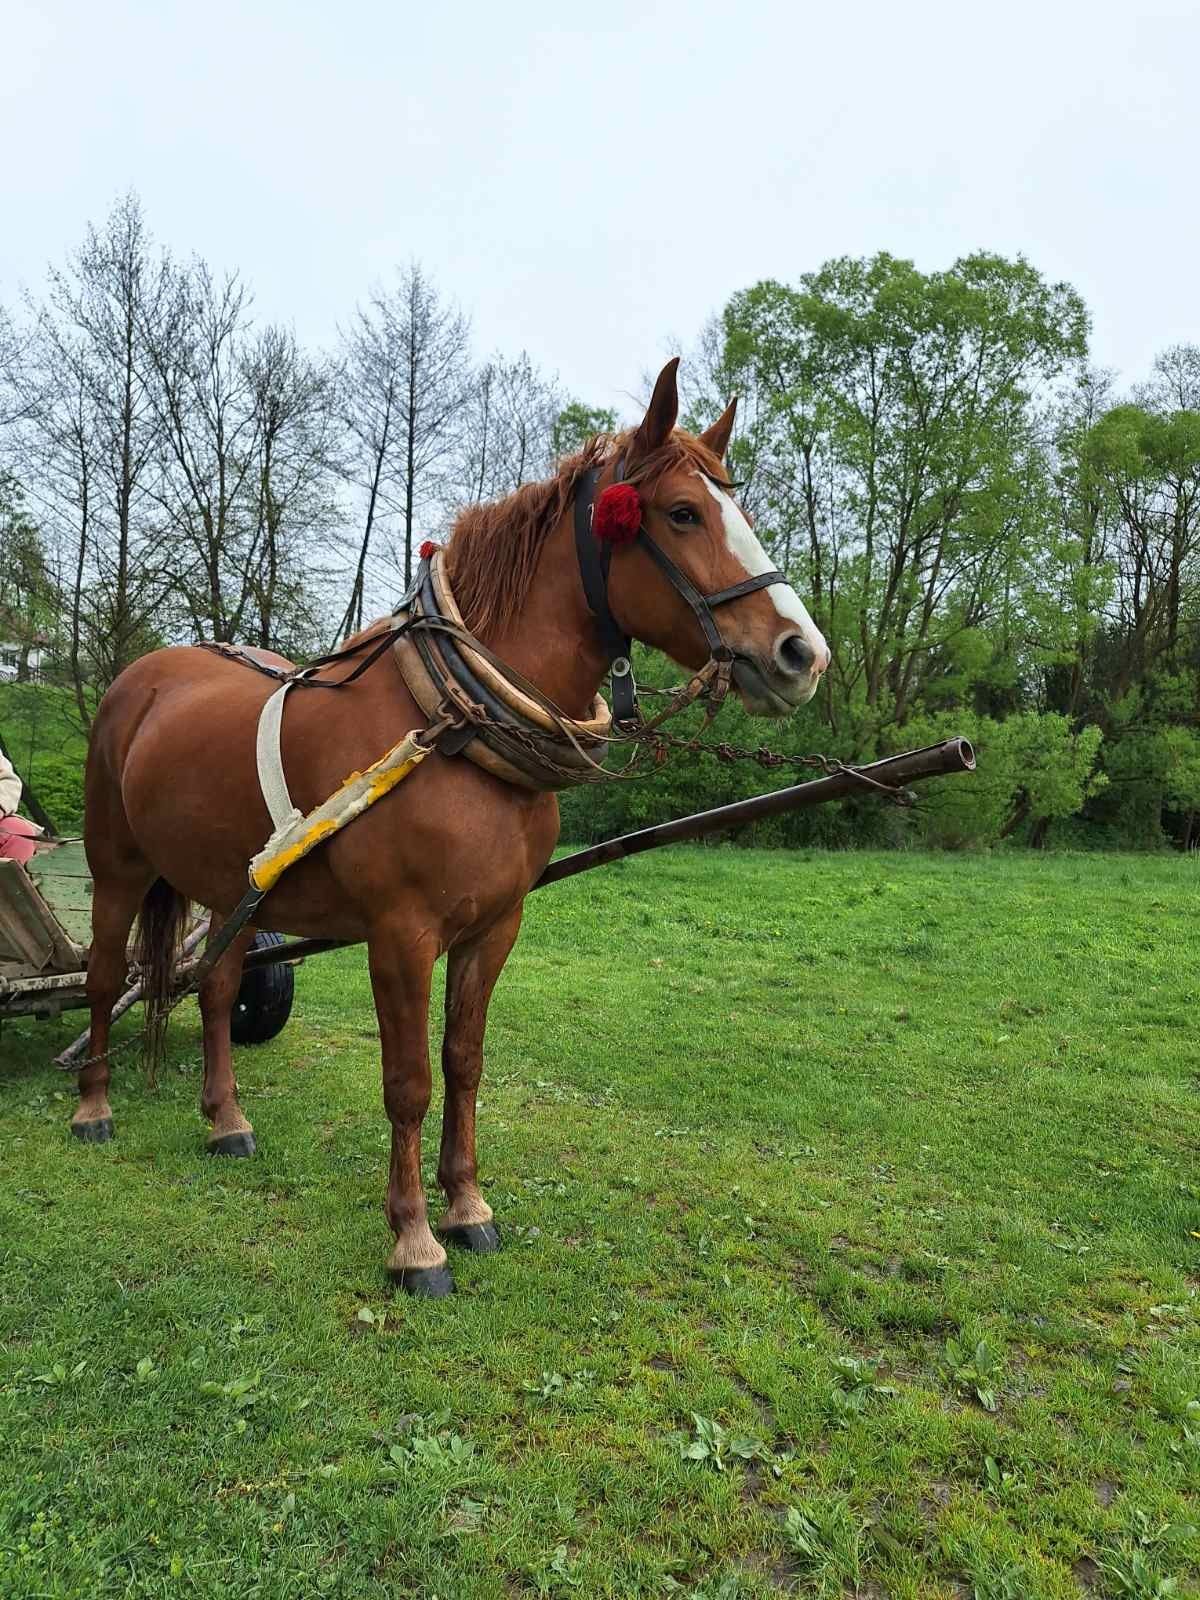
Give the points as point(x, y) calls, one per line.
point(661, 745)
point(135, 1040)
point(116, 1049)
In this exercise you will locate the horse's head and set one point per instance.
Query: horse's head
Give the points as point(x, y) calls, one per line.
point(690, 516)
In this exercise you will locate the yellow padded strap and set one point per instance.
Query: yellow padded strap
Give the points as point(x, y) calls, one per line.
point(293, 840)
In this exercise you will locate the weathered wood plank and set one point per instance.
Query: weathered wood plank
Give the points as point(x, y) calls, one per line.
point(30, 933)
point(65, 884)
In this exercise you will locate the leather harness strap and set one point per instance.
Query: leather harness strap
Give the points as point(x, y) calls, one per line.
point(595, 557)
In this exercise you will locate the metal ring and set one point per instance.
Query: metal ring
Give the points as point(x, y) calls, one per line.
point(621, 667)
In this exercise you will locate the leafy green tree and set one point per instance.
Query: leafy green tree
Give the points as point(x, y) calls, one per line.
point(892, 447)
point(1148, 466)
point(576, 423)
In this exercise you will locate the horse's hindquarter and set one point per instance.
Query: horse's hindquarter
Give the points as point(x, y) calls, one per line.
point(450, 847)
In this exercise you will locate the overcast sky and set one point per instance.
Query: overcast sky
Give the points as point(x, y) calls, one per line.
point(592, 193)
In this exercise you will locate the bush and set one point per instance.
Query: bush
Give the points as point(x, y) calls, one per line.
point(40, 734)
point(1033, 768)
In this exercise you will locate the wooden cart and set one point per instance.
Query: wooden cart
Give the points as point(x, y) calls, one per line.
point(45, 931)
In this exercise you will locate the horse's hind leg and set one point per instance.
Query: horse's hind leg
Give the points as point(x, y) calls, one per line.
point(471, 975)
point(231, 1134)
point(115, 904)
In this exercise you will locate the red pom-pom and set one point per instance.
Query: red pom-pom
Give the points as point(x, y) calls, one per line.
point(618, 514)
point(428, 549)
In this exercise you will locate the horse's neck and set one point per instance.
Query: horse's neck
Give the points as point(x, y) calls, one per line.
point(554, 641)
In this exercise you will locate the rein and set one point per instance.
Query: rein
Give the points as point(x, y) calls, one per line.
point(595, 558)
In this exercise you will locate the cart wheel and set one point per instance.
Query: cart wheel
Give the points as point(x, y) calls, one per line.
point(264, 1001)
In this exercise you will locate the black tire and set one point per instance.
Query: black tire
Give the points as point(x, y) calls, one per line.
point(264, 1001)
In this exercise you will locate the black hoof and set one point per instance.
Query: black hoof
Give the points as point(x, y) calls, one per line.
point(94, 1132)
point(427, 1283)
point(232, 1144)
point(481, 1237)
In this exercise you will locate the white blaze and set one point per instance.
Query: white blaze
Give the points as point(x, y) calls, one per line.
point(745, 549)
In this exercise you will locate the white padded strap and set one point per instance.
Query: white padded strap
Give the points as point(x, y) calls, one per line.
point(270, 759)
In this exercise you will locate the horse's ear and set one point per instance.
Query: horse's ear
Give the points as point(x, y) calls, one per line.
point(717, 437)
point(660, 416)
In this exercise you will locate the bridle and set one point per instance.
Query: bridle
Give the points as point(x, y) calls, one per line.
point(595, 558)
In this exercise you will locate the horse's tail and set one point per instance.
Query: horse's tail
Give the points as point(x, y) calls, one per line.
point(160, 928)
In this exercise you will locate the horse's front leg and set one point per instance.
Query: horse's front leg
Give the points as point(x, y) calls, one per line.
point(401, 966)
point(471, 976)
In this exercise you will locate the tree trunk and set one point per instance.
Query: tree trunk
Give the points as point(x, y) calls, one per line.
point(1020, 812)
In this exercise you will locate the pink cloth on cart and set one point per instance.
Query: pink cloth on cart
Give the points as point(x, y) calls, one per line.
point(18, 839)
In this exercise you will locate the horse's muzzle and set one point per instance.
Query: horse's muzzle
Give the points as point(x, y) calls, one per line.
point(775, 691)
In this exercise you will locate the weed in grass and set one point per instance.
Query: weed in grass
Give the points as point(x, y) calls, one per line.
point(825, 1538)
point(1136, 1571)
point(1188, 1443)
point(999, 1482)
point(1132, 1575)
point(716, 1447)
point(57, 1376)
point(856, 1383)
point(430, 1445)
point(241, 1394)
point(725, 1587)
point(551, 1384)
point(974, 1370)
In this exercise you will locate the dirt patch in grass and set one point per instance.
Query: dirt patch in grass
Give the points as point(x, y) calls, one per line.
point(1087, 1572)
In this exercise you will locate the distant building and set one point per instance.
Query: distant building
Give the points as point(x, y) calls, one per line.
point(23, 661)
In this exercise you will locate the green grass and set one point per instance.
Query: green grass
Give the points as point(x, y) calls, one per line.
point(835, 1154)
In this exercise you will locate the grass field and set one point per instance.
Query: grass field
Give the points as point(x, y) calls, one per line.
point(852, 1221)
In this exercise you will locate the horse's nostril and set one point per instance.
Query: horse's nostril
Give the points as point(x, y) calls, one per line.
point(795, 654)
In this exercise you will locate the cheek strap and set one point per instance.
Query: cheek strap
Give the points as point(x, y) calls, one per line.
point(595, 558)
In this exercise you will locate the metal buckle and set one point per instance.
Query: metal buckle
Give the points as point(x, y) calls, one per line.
point(621, 667)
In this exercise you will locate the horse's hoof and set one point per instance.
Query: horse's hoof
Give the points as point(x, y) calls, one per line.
point(232, 1144)
point(427, 1283)
point(481, 1237)
point(99, 1132)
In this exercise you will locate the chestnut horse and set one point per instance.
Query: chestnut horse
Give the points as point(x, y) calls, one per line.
point(174, 810)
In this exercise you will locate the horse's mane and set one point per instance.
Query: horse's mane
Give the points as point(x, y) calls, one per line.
point(494, 549)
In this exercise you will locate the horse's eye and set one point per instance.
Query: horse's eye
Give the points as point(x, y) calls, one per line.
point(684, 515)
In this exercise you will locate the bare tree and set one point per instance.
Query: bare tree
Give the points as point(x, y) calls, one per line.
point(13, 402)
point(1175, 385)
point(370, 387)
point(506, 433)
point(88, 443)
point(433, 340)
point(292, 500)
point(407, 381)
point(207, 417)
